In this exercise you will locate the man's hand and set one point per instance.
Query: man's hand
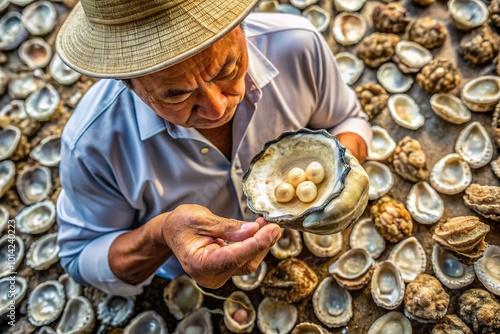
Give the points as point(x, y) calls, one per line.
point(355, 144)
point(211, 249)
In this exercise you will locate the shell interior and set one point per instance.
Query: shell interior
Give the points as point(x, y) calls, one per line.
point(274, 316)
point(289, 245)
point(409, 257)
point(482, 93)
point(20, 288)
point(488, 269)
point(451, 174)
point(474, 145)
point(348, 5)
point(198, 322)
point(42, 104)
point(230, 308)
point(61, 72)
point(392, 322)
point(7, 174)
point(115, 310)
point(382, 144)
point(71, 287)
point(48, 152)
point(323, 245)
point(450, 108)
point(451, 273)
point(350, 67)
point(22, 85)
point(45, 303)
point(319, 17)
point(424, 203)
point(43, 252)
point(39, 18)
point(8, 263)
point(413, 54)
point(467, 14)
point(268, 6)
point(36, 218)
point(12, 31)
point(288, 9)
point(251, 281)
point(182, 297)
point(10, 136)
point(349, 28)
point(405, 111)
point(393, 80)
point(332, 304)
point(364, 235)
point(302, 4)
point(147, 322)
point(387, 286)
point(14, 110)
point(35, 53)
point(34, 184)
point(352, 264)
point(78, 316)
point(381, 179)
point(4, 218)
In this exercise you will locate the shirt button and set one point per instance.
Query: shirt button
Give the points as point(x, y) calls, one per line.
point(204, 150)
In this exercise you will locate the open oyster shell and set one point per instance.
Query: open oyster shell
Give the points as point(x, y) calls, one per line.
point(251, 281)
point(319, 17)
point(485, 200)
point(268, 6)
point(43, 103)
point(387, 286)
point(393, 80)
point(115, 310)
point(326, 245)
point(409, 256)
point(405, 111)
point(452, 273)
point(23, 84)
point(474, 145)
point(303, 4)
point(332, 304)
point(392, 322)
point(10, 136)
point(276, 317)
point(230, 308)
point(467, 14)
point(199, 321)
point(78, 317)
point(61, 72)
point(37, 218)
point(12, 31)
point(425, 299)
point(482, 93)
point(182, 297)
point(35, 53)
point(146, 322)
point(45, 303)
point(381, 179)
point(410, 56)
point(340, 195)
point(349, 28)
point(424, 203)
point(308, 328)
point(20, 288)
point(7, 175)
point(450, 108)
point(34, 184)
point(364, 235)
point(488, 269)
point(348, 5)
point(10, 263)
point(48, 152)
point(288, 245)
point(43, 252)
point(451, 174)
point(350, 67)
point(71, 287)
point(39, 18)
point(382, 144)
point(353, 269)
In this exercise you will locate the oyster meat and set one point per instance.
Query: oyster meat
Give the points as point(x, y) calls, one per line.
point(451, 174)
point(425, 299)
point(482, 93)
point(451, 324)
point(387, 286)
point(424, 203)
point(439, 76)
point(381, 179)
point(353, 269)
point(409, 257)
point(332, 304)
point(452, 273)
point(450, 108)
point(488, 269)
point(349, 28)
point(391, 17)
point(485, 200)
point(391, 219)
point(373, 99)
point(392, 322)
point(427, 32)
point(479, 310)
point(377, 48)
point(364, 235)
point(480, 46)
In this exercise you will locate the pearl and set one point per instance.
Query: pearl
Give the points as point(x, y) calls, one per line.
point(315, 172)
point(295, 176)
point(284, 192)
point(307, 191)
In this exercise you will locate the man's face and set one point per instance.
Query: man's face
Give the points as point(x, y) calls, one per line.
point(203, 91)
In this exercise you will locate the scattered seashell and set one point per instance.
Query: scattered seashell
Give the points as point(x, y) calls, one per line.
point(452, 273)
point(482, 93)
point(46, 303)
point(494, 9)
point(34, 184)
point(7, 174)
point(4, 218)
point(78, 317)
point(182, 296)
point(12, 31)
point(319, 17)
point(288, 245)
point(381, 179)
point(35, 53)
point(251, 281)
point(353, 269)
point(424, 203)
point(114, 311)
point(303, 4)
point(21, 3)
point(10, 136)
point(393, 80)
point(373, 99)
point(387, 286)
point(485, 200)
point(14, 110)
point(4, 79)
point(245, 325)
point(332, 304)
point(10, 262)
point(349, 28)
point(474, 145)
point(480, 46)
point(467, 14)
point(495, 166)
point(451, 174)
point(323, 245)
point(288, 9)
point(37, 218)
point(479, 310)
point(23, 84)
point(450, 108)
point(348, 5)
point(43, 103)
point(391, 219)
point(495, 124)
point(308, 328)
point(451, 324)
point(268, 6)
point(409, 257)
point(382, 144)
point(440, 75)
point(146, 321)
point(39, 18)
point(275, 317)
point(392, 322)
point(71, 288)
point(3, 5)
point(43, 252)
point(427, 32)
point(48, 152)
point(61, 72)
point(392, 18)
point(46, 330)
point(377, 48)
point(11, 292)
point(364, 235)
point(425, 299)
point(488, 269)
point(405, 111)
point(411, 56)
point(350, 67)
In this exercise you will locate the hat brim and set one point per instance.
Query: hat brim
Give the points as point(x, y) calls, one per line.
point(149, 45)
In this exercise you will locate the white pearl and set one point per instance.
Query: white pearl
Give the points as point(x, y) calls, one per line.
point(307, 191)
point(284, 192)
point(315, 172)
point(295, 176)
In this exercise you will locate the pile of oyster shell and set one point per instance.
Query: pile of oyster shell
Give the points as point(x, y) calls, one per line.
point(424, 256)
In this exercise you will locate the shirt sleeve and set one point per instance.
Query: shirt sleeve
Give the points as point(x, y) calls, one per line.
point(91, 214)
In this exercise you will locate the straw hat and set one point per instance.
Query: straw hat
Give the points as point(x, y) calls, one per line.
point(128, 38)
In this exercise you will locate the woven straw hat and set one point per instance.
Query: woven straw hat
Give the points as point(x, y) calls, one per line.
point(128, 38)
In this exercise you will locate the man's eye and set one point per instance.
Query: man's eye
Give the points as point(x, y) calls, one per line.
point(228, 77)
point(177, 98)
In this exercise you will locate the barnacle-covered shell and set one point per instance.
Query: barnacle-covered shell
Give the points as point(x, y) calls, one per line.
point(43, 252)
point(393, 80)
point(78, 317)
point(35, 53)
point(115, 310)
point(405, 111)
point(147, 321)
point(34, 184)
point(326, 245)
point(12, 31)
point(45, 303)
point(424, 203)
point(495, 125)
point(387, 286)
point(353, 269)
point(364, 235)
point(451, 174)
point(71, 287)
point(411, 57)
point(39, 18)
point(451, 324)
point(479, 310)
point(382, 144)
point(290, 281)
point(409, 257)
point(482, 93)
point(479, 46)
point(474, 145)
point(392, 322)
point(425, 299)
point(391, 219)
point(231, 307)
point(10, 136)
point(275, 317)
point(319, 17)
point(440, 75)
point(452, 273)
point(10, 262)
point(377, 48)
point(381, 179)
point(36, 218)
point(450, 108)
point(182, 296)
point(48, 152)
point(463, 237)
point(373, 99)
point(485, 200)
point(410, 160)
point(348, 5)
point(288, 245)
point(349, 28)
point(308, 328)
point(488, 269)
point(332, 304)
point(494, 10)
point(427, 32)
point(43, 103)
point(391, 17)
point(467, 14)
point(7, 175)
point(251, 281)
point(350, 67)
point(20, 288)
point(61, 72)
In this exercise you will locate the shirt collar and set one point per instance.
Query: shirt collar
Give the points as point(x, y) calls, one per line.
point(260, 69)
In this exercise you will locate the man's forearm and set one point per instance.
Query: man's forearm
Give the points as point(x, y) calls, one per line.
point(136, 255)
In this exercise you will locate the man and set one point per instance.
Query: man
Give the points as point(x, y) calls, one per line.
point(151, 173)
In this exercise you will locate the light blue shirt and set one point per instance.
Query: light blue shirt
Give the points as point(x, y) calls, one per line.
point(122, 164)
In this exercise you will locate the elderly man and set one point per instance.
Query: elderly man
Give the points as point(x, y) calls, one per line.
point(152, 164)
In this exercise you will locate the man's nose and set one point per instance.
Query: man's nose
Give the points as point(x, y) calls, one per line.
point(213, 102)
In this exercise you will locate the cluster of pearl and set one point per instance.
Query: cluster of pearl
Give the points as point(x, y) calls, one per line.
point(300, 182)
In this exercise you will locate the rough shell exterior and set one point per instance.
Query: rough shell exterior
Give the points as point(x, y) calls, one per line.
point(495, 165)
point(426, 299)
point(494, 9)
point(495, 122)
point(479, 309)
point(377, 48)
point(463, 237)
point(290, 281)
point(451, 324)
point(424, 2)
point(479, 46)
point(357, 283)
point(392, 17)
point(373, 99)
point(427, 32)
point(485, 200)
point(309, 328)
point(391, 219)
point(410, 161)
point(440, 75)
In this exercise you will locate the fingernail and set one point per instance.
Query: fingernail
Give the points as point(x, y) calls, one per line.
point(247, 226)
point(276, 233)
